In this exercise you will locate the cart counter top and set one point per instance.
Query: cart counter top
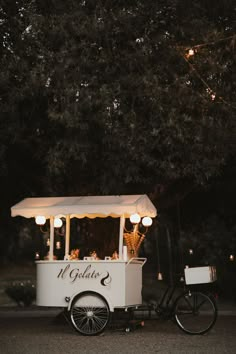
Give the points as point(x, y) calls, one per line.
point(81, 261)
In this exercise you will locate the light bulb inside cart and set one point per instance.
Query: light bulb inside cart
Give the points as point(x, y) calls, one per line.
point(58, 222)
point(40, 220)
point(135, 218)
point(37, 255)
point(147, 221)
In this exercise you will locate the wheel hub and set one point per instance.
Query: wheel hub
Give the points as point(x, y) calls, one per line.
point(90, 314)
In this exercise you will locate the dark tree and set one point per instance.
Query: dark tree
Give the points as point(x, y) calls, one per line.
point(103, 97)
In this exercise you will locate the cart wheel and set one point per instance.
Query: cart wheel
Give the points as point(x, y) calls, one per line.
point(89, 313)
point(195, 312)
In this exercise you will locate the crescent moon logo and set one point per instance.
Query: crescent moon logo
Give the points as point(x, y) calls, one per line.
point(106, 280)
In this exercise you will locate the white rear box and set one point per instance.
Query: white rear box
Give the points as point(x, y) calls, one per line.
point(200, 275)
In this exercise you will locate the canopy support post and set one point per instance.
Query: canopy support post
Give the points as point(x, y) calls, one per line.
point(51, 248)
point(67, 243)
point(122, 224)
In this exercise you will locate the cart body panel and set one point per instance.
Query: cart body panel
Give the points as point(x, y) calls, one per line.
point(58, 282)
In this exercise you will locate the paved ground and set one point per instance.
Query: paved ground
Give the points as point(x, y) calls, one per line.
point(39, 330)
point(52, 334)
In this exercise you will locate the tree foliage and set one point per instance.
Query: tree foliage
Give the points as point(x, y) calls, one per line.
point(98, 97)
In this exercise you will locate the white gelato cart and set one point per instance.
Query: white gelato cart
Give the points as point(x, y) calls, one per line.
point(89, 288)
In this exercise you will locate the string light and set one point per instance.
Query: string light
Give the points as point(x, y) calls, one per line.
point(231, 257)
point(190, 52)
point(210, 43)
point(208, 89)
point(213, 96)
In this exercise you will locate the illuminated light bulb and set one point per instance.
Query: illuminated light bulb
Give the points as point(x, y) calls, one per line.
point(191, 52)
point(58, 222)
point(190, 251)
point(40, 220)
point(159, 276)
point(48, 242)
point(36, 255)
point(135, 218)
point(213, 96)
point(58, 245)
point(147, 221)
point(231, 257)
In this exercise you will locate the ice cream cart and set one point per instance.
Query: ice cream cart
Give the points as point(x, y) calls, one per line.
point(90, 288)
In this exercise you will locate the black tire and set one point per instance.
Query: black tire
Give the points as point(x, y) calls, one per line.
point(195, 312)
point(89, 313)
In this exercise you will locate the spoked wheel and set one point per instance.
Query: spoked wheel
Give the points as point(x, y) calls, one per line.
point(89, 313)
point(195, 312)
